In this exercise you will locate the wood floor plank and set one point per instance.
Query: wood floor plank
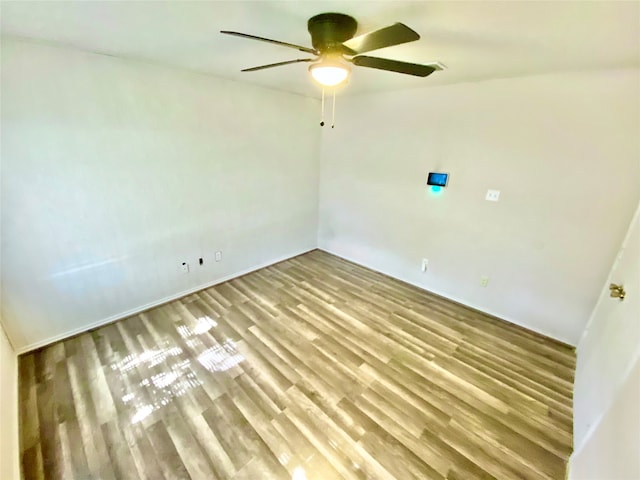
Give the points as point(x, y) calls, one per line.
point(167, 455)
point(120, 454)
point(50, 442)
point(90, 431)
point(29, 426)
point(310, 369)
point(31, 460)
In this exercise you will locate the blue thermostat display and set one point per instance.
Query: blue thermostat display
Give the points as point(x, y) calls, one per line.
point(438, 179)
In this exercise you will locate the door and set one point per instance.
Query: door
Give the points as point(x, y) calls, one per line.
point(605, 399)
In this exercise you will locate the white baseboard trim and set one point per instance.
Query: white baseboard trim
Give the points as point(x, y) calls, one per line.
point(156, 303)
point(148, 306)
point(452, 298)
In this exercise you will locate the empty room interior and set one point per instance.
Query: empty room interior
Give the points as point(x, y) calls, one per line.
point(320, 240)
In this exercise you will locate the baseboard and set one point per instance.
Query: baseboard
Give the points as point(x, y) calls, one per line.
point(157, 303)
point(154, 304)
point(460, 301)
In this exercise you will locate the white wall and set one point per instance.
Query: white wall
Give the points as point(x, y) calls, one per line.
point(9, 450)
point(563, 149)
point(607, 385)
point(114, 172)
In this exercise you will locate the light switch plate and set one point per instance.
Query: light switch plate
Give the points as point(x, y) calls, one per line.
point(493, 195)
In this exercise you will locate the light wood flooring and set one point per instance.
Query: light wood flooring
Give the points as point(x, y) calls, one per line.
point(313, 368)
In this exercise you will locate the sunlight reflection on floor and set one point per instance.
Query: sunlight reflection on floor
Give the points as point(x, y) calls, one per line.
point(299, 474)
point(155, 377)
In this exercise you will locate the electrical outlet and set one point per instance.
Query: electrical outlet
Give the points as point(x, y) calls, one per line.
point(184, 267)
point(425, 264)
point(218, 256)
point(484, 281)
point(493, 195)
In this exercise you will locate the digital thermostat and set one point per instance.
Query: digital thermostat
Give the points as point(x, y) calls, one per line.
point(438, 179)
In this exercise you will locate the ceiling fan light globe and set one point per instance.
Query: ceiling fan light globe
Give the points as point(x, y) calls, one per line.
point(329, 75)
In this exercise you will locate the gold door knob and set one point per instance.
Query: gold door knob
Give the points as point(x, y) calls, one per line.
point(617, 291)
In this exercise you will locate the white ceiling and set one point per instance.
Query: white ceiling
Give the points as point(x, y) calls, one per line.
point(475, 40)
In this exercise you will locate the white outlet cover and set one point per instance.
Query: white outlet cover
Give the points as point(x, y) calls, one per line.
point(493, 195)
point(218, 256)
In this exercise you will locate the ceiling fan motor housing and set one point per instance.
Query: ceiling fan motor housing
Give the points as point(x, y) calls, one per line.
point(329, 30)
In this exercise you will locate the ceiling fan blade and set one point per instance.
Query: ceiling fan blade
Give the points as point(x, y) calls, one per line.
point(395, 66)
point(385, 37)
point(261, 67)
point(277, 42)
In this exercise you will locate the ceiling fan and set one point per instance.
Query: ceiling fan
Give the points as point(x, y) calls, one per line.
point(335, 48)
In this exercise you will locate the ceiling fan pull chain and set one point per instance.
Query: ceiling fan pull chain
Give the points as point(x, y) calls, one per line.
point(322, 112)
point(333, 116)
